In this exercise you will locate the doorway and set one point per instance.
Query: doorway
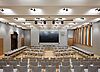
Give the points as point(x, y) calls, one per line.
point(22, 41)
point(14, 41)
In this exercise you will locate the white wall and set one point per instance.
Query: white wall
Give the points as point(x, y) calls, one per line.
point(5, 33)
point(35, 38)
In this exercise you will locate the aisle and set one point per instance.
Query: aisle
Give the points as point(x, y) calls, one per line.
point(48, 54)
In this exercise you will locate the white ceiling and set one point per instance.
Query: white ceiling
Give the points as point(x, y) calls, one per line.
point(49, 9)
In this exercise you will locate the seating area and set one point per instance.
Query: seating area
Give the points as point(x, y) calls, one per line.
point(50, 65)
point(49, 35)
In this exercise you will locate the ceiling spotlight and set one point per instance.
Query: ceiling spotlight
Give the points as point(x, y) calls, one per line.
point(82, 18)
point(2, 10)
point(34, 9)
point(16, 18)
point(66, 9)
point(98, 9)
point(31, 9)
point(63, 8)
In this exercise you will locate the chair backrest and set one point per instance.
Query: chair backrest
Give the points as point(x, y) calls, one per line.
point(92, 68)
point(78, 69)
point(23, 63)
point(66, 63)
point(33, 63)
point(36, 69)
point(50, 69)
point(7, 69)
point(22, 69)
point(65, 69)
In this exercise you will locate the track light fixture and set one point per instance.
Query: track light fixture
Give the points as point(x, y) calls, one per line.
point(33, 9)
point(65, 9)
point(82, 18)
point(16, 18)
point(2, 9)
point(97, 9)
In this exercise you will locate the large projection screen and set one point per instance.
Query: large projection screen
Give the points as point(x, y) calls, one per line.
point(48, 37)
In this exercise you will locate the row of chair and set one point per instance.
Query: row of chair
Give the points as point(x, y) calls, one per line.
point(50, 69)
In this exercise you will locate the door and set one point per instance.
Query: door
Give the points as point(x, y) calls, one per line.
point(22, 41)
point(14, 41)
point(1, 46)
point(70, 41)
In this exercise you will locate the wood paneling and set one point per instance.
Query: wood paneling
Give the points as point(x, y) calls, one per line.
point(70, 41)
point(1, 46)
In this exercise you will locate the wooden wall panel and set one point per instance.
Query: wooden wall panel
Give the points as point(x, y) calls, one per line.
point(1, 46)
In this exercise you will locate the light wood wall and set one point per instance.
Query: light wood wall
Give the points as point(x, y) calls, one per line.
point(81, 34)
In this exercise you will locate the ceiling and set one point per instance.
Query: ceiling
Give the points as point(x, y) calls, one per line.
point(73, 13)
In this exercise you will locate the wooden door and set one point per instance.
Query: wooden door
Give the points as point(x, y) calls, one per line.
point(1, 46)
point(14, 41)
point(70, 41)
point(22, 41)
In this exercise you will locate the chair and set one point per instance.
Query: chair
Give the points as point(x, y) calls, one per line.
point(50, 69)
point(23, 63)
point(66, 63)
point(92, 68)
point(78, 69)
point(33, 63)
point(65, 69)
point(2, 63)
point(14, 63)
point(36, 69)
point(22, 69)
point(7, 69)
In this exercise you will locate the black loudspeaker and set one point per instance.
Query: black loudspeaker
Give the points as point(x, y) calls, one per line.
point(62, 22)
point(44, 22)
point(35, 22)
point(53, 22)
